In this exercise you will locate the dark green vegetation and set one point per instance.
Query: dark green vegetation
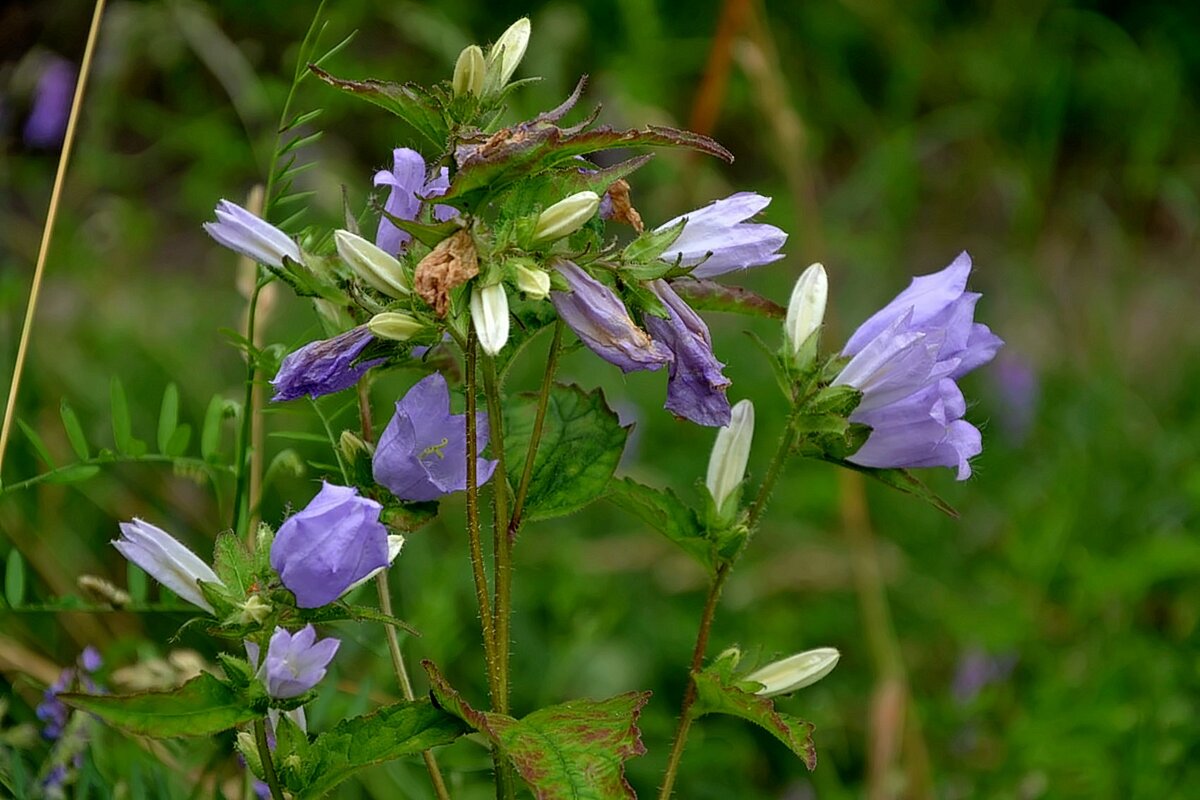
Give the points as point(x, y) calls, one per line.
point(1054, 143)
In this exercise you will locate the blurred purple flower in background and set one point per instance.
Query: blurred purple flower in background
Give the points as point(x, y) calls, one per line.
point(1014, 384)
point(52, 711)
point(334, 542)
point(324, 366)
point(295, 662)
point(422, 454)
point(407, 177)
point(719, 236)
point(695, 386)
point(977, 669)
point(905, 360)
point(47, 122)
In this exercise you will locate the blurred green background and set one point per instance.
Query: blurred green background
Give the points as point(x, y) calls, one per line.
point(1044, 645)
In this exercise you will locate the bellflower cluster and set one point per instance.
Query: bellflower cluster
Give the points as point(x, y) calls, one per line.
point(166, 560)
point(410, 188)
point(905, 360)
point(422, 452)
point(324, 366)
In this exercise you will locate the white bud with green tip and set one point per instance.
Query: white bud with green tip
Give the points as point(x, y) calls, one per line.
point(379, 269)
point(566, 216)
point(806, 309)
point(489, 314)
point(469, 72)
point(730, 453)
point(534, 282)
point(795, 672)
point(507, 53)
point(394, 325)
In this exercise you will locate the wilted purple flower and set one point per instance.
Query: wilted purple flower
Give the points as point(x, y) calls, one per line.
point(695, 386)
point(601, 322)
point(324, 549)
point(295, 663)
point(166, 560)
point(409, 190)
point(422, 453)
point(719, 236)
point(47, 123)
point(324, 366)
point(905, 358)
point(255, 238)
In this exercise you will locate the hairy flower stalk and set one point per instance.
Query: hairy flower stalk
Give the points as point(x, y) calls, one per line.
point(166, 560)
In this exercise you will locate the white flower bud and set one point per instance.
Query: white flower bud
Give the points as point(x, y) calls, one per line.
point(255, 609)
point(489, 313)
point(795, 672)
point(379, 269)
point(394, 325)
point(731, 451)
point(566, 216)
point(806, 309)
point(533, 282)
point(166, 560)
point(469, 71)
point(507, 53)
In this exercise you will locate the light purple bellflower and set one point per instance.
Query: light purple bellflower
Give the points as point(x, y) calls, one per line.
point(324, 366)
point(904, 361)
point(410, 189)
point(166, 560)
point(253, 237)
point(695, 385)
point(600, 320)
point(295, 663)
point(422, 454)
point(331, 544)
point(719, 236)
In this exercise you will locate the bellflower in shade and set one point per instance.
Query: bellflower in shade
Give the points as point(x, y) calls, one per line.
point(324, 549)
point(295, 662)
point(695, 386)
point(599, 319)
point(166, 560)
point(409, 190)
point(904, 361)
point(719, 236)
point(47, 122)
point(255, 238)
point(324, 366)
point(422, 452)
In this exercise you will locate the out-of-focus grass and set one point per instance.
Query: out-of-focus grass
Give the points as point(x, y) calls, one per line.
point(1055, 142)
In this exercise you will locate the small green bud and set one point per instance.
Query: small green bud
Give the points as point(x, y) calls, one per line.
point(394, 325)
point(469, 72)
point(533, 281)
point(795, 672)
point(377, 268)
point(352, 446)
point(731, 451)
point(506, 54)
point(566, 216)
point(253, 611)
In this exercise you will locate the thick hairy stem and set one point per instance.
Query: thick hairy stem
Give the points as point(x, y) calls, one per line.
point(474, 534)
point(501, 543)
point(264, 755)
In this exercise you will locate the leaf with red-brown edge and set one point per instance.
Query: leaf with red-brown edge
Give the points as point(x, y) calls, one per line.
point(570, 751)
point(706, 295)
point(412, 103)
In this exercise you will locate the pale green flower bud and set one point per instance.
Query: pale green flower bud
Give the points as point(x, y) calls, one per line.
point(795, 672)
point(566, 216)
point(731, 451)
point(352, 446)
point(489, 313)
point(378, 269)
point(394, 325)
point(254, 610)
point(806, 309)
point(507, 53)
point(469, 71)
point(533, 282)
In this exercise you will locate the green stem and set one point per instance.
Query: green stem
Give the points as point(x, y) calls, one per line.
point(501, 543)
point(241, 505)
point(264, 754)
point(474, 535)
point(535, 436)
point(786, 440)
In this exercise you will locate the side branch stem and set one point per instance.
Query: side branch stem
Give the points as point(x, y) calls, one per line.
point(535, 437)
point(264, 755)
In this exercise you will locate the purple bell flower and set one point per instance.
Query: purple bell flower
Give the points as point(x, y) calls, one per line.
point(409, 190)
point(334, 542)
point(47, 122)
point(324, 366)
point(719, 236)
point(422, 454)
point(253, 237)
point(600, 320)
point(904, 361)
point(695, 385)
point(295, 662)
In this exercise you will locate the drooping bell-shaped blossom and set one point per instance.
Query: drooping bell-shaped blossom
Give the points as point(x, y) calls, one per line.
point(719, 238)
point(329, 545)
point(904, 361)
point(600, 320)
point(253, 237)
point(422, 452)
point(324, 366)
point(295, 662)
point(166, 560)
point(695, 385)
point(411, 187)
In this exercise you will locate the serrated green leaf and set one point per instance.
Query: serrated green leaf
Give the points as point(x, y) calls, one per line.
point(121, 424)
point(232, 563)
point(662, 510)
point(410, 102)
point(395, 731)
point(651, 244)
point(168, 417)
point(841, 400)
point(706, 295)
point(716, 695)
point(73, 473)
point(201, 707)
point(14, 579)
point(582, 441)
point(74, 430)
point(571, 751)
